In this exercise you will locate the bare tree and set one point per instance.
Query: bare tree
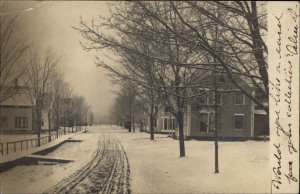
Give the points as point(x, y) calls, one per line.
point(59, 87)
point(66, 97)
point(91, 118)
point(242, 25)
point(79, 111)
point(38, 77)
point(53, 98)
point(13, 47)
point(170, 77)
point(184, 37)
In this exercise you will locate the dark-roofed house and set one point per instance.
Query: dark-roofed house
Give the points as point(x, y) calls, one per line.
point(16, 113)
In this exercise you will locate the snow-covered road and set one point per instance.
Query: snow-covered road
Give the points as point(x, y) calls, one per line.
point(100, 165)
point(106, 172)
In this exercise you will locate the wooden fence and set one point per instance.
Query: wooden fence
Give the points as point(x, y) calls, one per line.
point(14, 146)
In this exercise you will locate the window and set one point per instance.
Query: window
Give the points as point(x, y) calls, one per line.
point(174, 124)
point(3, 122)
point(239, 121)
point(204, 122)
point(21, 122)
point(212, 98)
point(169, 123)
point(165, 123)
point(219, 98)
point(239, 98)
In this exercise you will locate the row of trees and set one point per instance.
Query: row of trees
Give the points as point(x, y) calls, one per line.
point(36, 74)
point(52, 96)
point(129, 107)
point(167, 48)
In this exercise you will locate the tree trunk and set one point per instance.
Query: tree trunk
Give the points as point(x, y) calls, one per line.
point(49, 125)
point(57, 125)
point(38, 116)
point(151, 122)
point(181, 133)
point(133, 122)
point(73, 125)
point(180, 114)
point(65, 124)
point(129, 127)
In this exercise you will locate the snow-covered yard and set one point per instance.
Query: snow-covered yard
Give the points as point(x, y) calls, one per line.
point(157, 168)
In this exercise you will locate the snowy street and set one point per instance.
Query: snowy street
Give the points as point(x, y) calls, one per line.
point(100, 165)
point(106, 172)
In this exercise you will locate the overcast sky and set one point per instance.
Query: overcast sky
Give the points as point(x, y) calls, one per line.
point(50, 24)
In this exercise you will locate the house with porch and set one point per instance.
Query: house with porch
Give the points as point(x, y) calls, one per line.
point(237, 116)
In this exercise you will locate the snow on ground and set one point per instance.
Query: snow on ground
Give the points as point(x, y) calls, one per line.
point(157, 168)
point(38, 178)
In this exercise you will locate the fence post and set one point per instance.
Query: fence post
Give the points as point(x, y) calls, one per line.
point(2, 149)
point(21, 145)
point(15, 147)
point(26, 145)
point(7, 148)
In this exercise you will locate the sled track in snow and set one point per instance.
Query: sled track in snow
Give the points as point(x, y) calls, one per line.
point(107, 172)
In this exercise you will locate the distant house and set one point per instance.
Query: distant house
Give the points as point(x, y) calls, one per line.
point(238, 116)
point(17, 112)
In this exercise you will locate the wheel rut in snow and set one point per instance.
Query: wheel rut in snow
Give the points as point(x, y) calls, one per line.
point(107, 171)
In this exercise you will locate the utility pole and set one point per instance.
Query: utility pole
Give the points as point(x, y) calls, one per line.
point(215, 102)
point(216, 121)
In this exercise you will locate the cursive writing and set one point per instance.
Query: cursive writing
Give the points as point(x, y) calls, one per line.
point(277, 169)
point(279, 32)
point(290, 177)
point(282, 97)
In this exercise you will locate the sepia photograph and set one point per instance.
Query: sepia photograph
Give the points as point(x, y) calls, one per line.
point(149, 97)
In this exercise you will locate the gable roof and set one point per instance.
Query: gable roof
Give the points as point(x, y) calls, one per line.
point(19, 99)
